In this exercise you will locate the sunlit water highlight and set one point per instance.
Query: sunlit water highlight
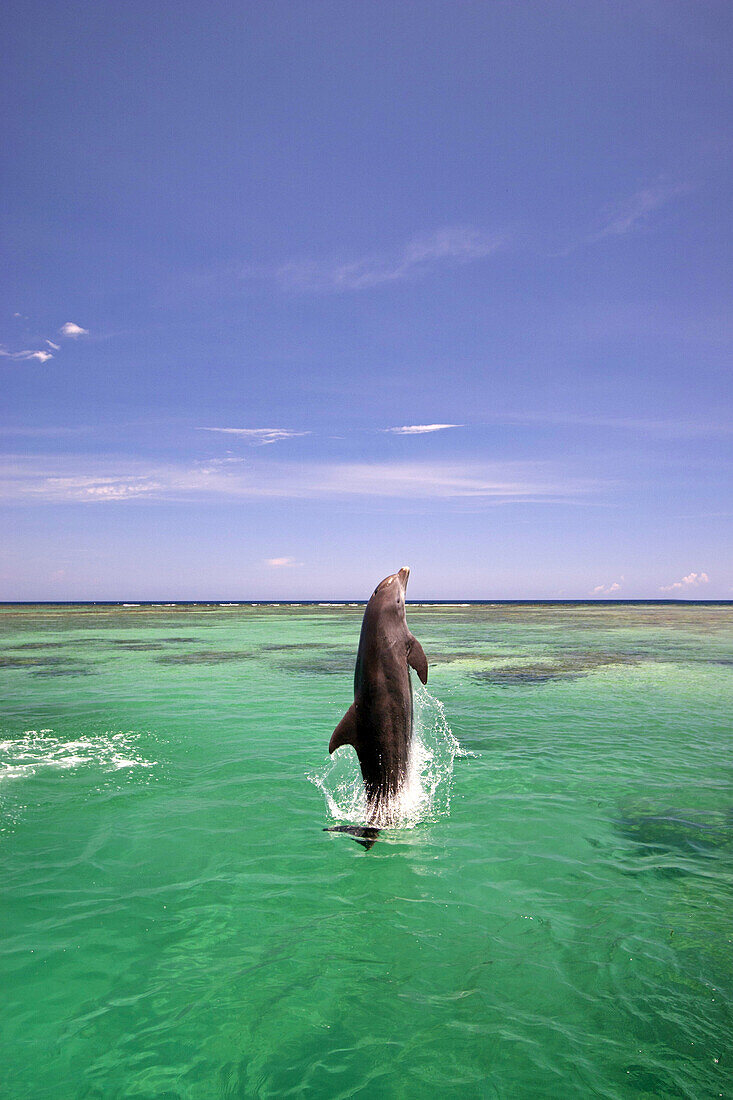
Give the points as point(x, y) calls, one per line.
point(550, 915)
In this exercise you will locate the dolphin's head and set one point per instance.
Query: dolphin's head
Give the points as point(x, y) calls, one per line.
point(389, 595)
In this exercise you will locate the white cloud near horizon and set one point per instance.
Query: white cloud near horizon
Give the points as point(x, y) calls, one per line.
point(450, 245)
point(606, 589)
point(420, 429)
point(72, 330)
point(281, 563)
point(258, 437)
point(692, 580)
point(60, 479)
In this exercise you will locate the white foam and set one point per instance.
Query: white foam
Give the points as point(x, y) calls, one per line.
point(35, 750)
point(425, 795)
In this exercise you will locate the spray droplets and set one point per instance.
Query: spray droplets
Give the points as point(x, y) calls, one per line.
point(425, 795)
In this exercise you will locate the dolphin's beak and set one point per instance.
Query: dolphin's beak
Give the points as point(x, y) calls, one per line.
point(404, 575)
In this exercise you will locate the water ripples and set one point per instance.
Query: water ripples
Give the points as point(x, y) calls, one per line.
point(551, 914)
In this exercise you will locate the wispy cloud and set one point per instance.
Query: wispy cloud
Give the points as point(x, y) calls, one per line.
point(633, 211)
point(606, 589)
point(72, 479)
point(257, 437)
point(692, 580)
point(282, 563)
point(72, 330)
point(451, 245)
point(649, 426)
point(52, 345)
point(40, 356)
point(420, 429)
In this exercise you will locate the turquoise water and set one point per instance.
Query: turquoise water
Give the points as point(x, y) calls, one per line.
point(553, 917)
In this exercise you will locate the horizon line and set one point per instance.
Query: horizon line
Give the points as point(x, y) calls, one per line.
point(345, 602)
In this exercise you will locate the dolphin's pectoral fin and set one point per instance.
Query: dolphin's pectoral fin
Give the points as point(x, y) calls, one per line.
point(345, 732)
point(416, 659)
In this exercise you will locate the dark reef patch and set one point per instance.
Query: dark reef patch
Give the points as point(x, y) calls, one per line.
point(44, 665)
point(133, 645)
point(569, 666)
point(339, 664)
point(690, 831)
point(448, 657)
point(288, 647)
point(206, 657)
point(519, 677)
point(68, 670)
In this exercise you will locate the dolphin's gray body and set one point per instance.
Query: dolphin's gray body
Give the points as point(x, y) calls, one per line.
point(379, 722)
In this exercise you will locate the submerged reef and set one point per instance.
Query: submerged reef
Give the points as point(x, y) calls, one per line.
point(689, 830)
point(44, 665)
point(568, 666)
point(206, 657)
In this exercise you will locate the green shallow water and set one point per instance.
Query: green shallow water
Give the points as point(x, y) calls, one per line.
point(554, 918)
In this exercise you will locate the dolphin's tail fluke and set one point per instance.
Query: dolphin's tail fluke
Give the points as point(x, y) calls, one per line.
point(362, 834)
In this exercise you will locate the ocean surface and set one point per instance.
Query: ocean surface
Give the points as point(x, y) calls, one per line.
point(553, 917)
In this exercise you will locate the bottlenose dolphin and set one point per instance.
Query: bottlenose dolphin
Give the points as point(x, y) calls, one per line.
point(378, 724)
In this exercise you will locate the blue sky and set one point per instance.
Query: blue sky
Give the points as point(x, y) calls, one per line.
point(251, 249)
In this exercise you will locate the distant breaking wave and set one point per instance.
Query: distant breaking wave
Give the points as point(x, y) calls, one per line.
point(426, 794)
point(33, 750)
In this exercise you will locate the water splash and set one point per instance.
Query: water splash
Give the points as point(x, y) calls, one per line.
point(33, 750)
point(425, 795)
